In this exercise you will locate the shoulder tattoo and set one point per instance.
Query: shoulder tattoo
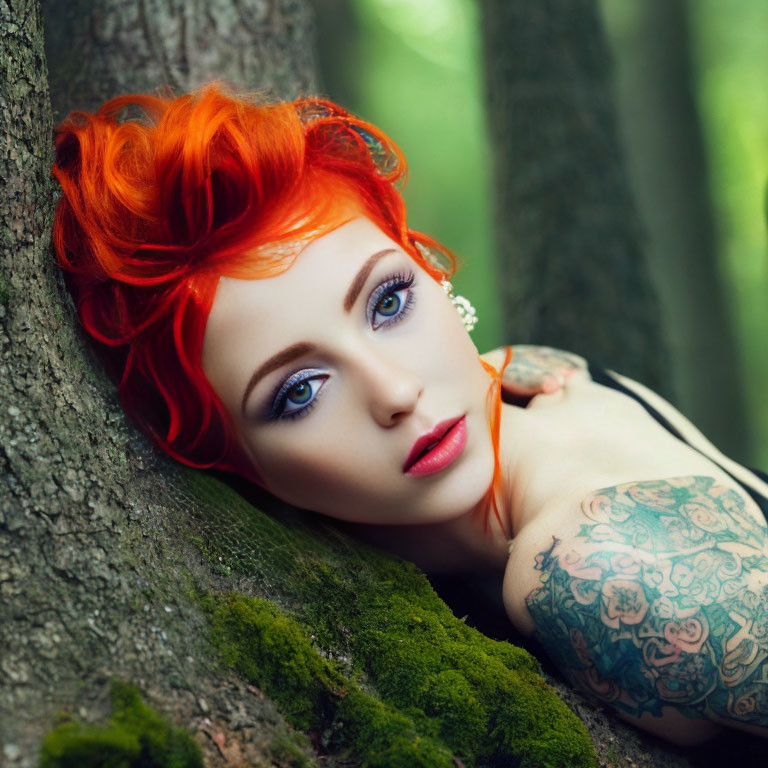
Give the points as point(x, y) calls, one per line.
point(661, 599)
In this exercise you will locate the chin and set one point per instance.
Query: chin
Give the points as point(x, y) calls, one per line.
point(439, 500)
point(449, 497)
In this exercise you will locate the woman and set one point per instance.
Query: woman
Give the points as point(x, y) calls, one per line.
point(249, 274)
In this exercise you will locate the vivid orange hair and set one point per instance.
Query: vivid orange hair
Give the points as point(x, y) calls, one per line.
point(155, 209)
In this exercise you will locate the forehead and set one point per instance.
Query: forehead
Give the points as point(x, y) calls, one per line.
point(324, 267)
point(253, 319)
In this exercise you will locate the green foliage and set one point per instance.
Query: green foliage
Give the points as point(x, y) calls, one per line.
point(134, 737)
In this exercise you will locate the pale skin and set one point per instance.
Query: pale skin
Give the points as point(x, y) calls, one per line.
point(637, 561)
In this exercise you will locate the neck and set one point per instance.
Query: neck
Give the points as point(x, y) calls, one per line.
point(514, 443)
point(460, 545)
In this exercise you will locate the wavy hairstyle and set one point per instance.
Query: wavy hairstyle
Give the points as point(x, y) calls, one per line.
point(155, 209)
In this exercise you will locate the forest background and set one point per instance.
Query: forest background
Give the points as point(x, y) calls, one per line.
point(689, 82)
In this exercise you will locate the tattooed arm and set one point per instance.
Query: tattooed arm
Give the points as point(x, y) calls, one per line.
point(661, 600)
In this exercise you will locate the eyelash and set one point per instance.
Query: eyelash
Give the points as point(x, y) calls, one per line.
point(393, 284)
point(280, 397)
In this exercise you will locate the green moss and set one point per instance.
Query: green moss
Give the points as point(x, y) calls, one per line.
point(487, 697)
point(134, 737)
point(290, 751)
point(275, 653)
point(483, 700)
point(387, 738)
point(271, 650)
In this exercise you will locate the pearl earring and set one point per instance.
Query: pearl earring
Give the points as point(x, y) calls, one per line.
point(466, 311)
point(441, 262)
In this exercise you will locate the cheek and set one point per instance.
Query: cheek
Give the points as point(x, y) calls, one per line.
point(454, 358)
point(448, 336)
point(302, 476)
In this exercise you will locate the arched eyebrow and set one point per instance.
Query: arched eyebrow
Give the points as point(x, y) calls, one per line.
point(288, 355)
point(362, 276)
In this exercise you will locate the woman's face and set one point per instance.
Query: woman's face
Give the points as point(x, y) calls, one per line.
point(333, 370)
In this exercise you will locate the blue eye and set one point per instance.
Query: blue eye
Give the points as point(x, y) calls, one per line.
point(296, 395)
point(391, 301)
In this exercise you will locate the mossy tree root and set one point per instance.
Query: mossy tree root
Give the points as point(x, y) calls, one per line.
point(467, 697)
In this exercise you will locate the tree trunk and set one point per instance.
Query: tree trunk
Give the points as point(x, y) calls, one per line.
point(116, 563)
point(654, 86)
point(572, 267)
point(96, 567)
point(97, 50)
point(340, 51)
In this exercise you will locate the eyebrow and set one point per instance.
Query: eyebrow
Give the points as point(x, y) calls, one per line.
point(295, 351)
point(362, 276)
point(288, 355)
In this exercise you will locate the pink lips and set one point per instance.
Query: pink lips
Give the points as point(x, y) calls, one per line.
point(443, 445)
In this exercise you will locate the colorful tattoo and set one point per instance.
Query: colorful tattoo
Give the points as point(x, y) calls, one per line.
point(661, 600)
point(531, 365)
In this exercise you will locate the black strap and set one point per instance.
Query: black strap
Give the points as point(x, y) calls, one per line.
point(603, 377)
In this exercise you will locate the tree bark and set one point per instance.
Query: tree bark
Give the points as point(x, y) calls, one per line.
point(96, 564)
point(571, 259)
point(108, 551)
point(97, 50)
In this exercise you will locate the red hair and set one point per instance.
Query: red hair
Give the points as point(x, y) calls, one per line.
point(155, 209)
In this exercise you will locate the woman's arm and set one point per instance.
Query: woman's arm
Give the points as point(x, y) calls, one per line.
point(657, 604)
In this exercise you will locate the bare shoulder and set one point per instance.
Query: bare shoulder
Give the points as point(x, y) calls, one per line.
point(653, 598)
point(692, 434)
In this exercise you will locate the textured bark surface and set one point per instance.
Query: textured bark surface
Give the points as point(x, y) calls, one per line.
point(97, 50)
point(95, 575)
point(572, 268)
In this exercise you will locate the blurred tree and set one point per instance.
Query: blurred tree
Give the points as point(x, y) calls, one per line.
point(338, 50)
point(668, 165)
point(572, 266)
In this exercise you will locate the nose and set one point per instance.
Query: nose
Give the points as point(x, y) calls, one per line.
point(391, 388)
